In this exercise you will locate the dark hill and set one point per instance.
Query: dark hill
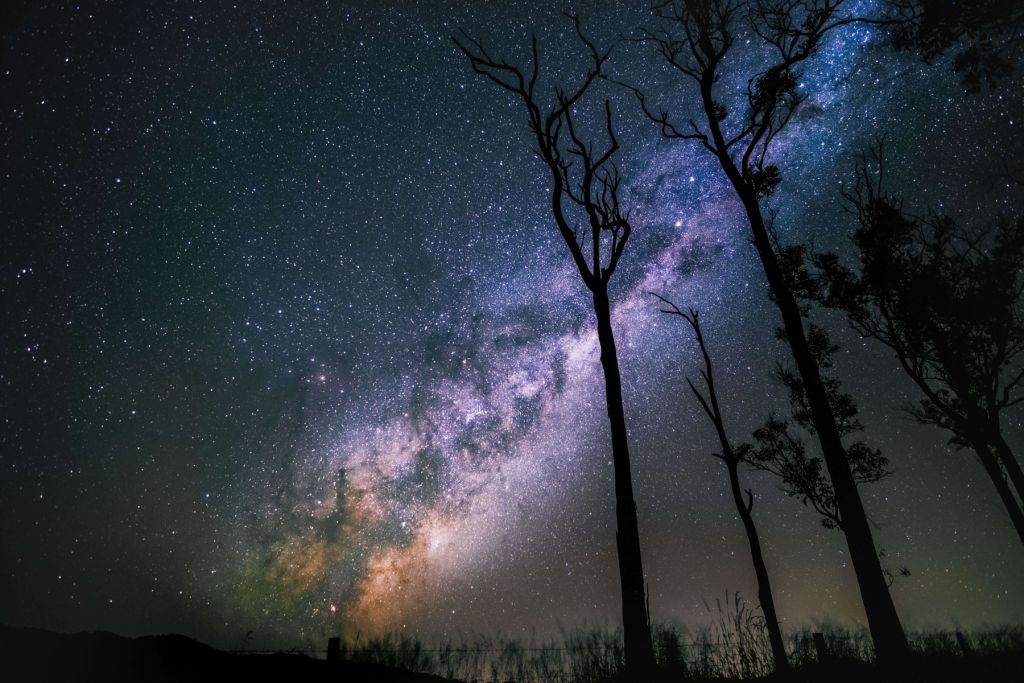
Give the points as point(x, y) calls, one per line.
point(28, 654)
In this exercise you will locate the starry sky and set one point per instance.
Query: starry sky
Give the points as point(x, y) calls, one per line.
point(290, 343)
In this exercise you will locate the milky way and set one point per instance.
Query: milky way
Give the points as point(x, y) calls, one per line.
point(291, 345)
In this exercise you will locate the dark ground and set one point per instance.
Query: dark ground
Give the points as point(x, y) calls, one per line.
point(1002, 668)
point(28, 654)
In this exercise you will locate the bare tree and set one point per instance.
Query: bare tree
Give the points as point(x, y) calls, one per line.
point(585, 185)
point(947, 300)
point(732, 457)
point(694, 38)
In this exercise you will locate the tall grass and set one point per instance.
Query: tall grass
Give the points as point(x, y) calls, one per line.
point(843, 643)
point(576, 656)
point(733, 645)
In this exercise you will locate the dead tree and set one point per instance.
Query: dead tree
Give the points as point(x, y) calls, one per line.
point(585, 186)
point(949, 301)
point(732, 457)
point(694, 38)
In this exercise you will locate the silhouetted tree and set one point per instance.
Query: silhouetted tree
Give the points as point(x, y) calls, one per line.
point(987, 36)
point(780, 448)
point(694, 38)
point(947, 299)
point(586, 181)
point(732, 457)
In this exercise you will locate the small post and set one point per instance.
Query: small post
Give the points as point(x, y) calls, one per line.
point(820, 647)
point(965, 645)
point(333, 649)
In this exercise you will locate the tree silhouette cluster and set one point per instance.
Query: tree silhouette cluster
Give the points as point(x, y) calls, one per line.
point(945, 298)
point(695, 38)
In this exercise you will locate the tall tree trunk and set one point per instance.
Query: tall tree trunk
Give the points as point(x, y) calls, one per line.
point(883, 621)
point(636, 628)
point(764, 586)
point(995, 473)
point(1009, 461)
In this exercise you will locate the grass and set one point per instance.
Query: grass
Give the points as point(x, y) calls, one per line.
point(576, 655)
point(732, 646)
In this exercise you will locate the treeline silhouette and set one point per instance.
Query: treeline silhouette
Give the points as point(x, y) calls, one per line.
point(945, 297)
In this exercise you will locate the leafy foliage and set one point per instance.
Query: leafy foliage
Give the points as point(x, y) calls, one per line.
point(778, 447)
point(986, 35)
point(764, 180)
point(946, 298)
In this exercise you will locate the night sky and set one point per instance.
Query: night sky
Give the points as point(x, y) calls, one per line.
point(290, 343)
